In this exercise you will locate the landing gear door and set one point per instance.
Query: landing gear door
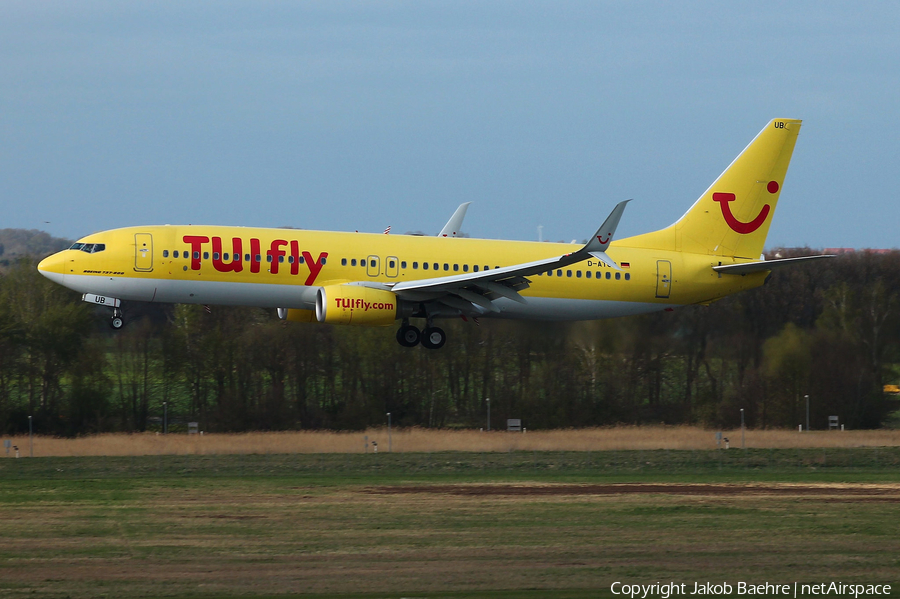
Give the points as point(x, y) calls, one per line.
point(663, 278)
point(143, 252)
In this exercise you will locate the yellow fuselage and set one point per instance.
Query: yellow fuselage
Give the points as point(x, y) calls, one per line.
point(282, 268)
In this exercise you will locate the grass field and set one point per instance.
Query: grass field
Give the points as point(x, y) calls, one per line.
point(519, 524)
point(427, 440)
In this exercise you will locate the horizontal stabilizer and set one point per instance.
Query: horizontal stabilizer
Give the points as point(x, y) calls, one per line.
point(602, 257)
point(764, 265)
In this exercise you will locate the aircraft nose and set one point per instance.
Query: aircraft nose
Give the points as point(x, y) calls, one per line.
point(53, 267)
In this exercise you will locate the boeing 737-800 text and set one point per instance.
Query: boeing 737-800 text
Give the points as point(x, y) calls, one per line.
point(376, 280)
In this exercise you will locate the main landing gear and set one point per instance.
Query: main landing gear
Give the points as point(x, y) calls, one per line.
point(431, 338)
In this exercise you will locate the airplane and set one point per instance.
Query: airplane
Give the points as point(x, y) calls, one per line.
point(366, 279)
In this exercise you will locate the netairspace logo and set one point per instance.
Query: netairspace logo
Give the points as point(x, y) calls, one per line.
point(666, 590)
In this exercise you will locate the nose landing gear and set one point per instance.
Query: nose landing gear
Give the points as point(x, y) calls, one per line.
point(117, 321)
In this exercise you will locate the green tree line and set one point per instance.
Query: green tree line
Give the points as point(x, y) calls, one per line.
point(828, 329)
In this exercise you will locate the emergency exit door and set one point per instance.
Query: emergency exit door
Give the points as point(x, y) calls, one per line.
point(663, 278)
point(143, 252)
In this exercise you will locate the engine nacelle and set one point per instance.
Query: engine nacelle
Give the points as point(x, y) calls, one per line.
point(356, 305)
point(296, 315)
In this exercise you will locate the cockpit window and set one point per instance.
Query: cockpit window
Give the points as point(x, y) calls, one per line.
point(90, 248)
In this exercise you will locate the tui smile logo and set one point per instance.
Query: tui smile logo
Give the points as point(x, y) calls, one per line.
point(736, 225)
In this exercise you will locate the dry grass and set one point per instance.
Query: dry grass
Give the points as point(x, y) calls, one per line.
point(423, 440)
point(238, 537)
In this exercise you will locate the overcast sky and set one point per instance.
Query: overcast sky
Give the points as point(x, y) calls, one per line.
point(356, 116)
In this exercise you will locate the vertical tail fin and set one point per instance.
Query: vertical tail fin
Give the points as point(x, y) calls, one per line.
point(732, 217)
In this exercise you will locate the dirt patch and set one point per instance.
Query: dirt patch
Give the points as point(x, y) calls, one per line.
point(836, 492)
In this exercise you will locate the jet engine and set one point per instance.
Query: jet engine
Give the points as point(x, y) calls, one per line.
point(356, 305)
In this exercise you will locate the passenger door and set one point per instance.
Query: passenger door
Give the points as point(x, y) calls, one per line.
point(663, 278)
point(143, 252)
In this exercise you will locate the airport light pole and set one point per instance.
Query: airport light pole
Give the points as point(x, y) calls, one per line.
point(488, 401)
point(389, 432)
point(807, 411)
point(30, 437)
point(742, 430)
point(165, 418)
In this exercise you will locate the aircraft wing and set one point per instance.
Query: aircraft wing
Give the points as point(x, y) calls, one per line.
point(763, 265)
point(473, 293)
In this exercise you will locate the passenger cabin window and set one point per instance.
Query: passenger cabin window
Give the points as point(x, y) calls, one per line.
point(215, 255)
point(424, 266)
point(353, 262)
point(475, 268)
point(343, 261)
point(446, 266)
point(608, 275)
point(435, 265)
point(587, 274)
point(403, 264)
point(627, 276)
point(456, 268)
point(246, 257)
point(362, 262)
point(165, 253)
point(618, 276)
point(415, 265)
point(465, 268)
point(196, 255)
point(206, 255)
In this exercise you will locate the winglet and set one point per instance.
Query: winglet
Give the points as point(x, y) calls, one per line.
point(451, 229)
point(598, 244)
point(603, 237)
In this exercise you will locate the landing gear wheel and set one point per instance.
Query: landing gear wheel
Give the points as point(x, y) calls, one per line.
point(408, 336)
point(433, 338)
point(117, 322)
